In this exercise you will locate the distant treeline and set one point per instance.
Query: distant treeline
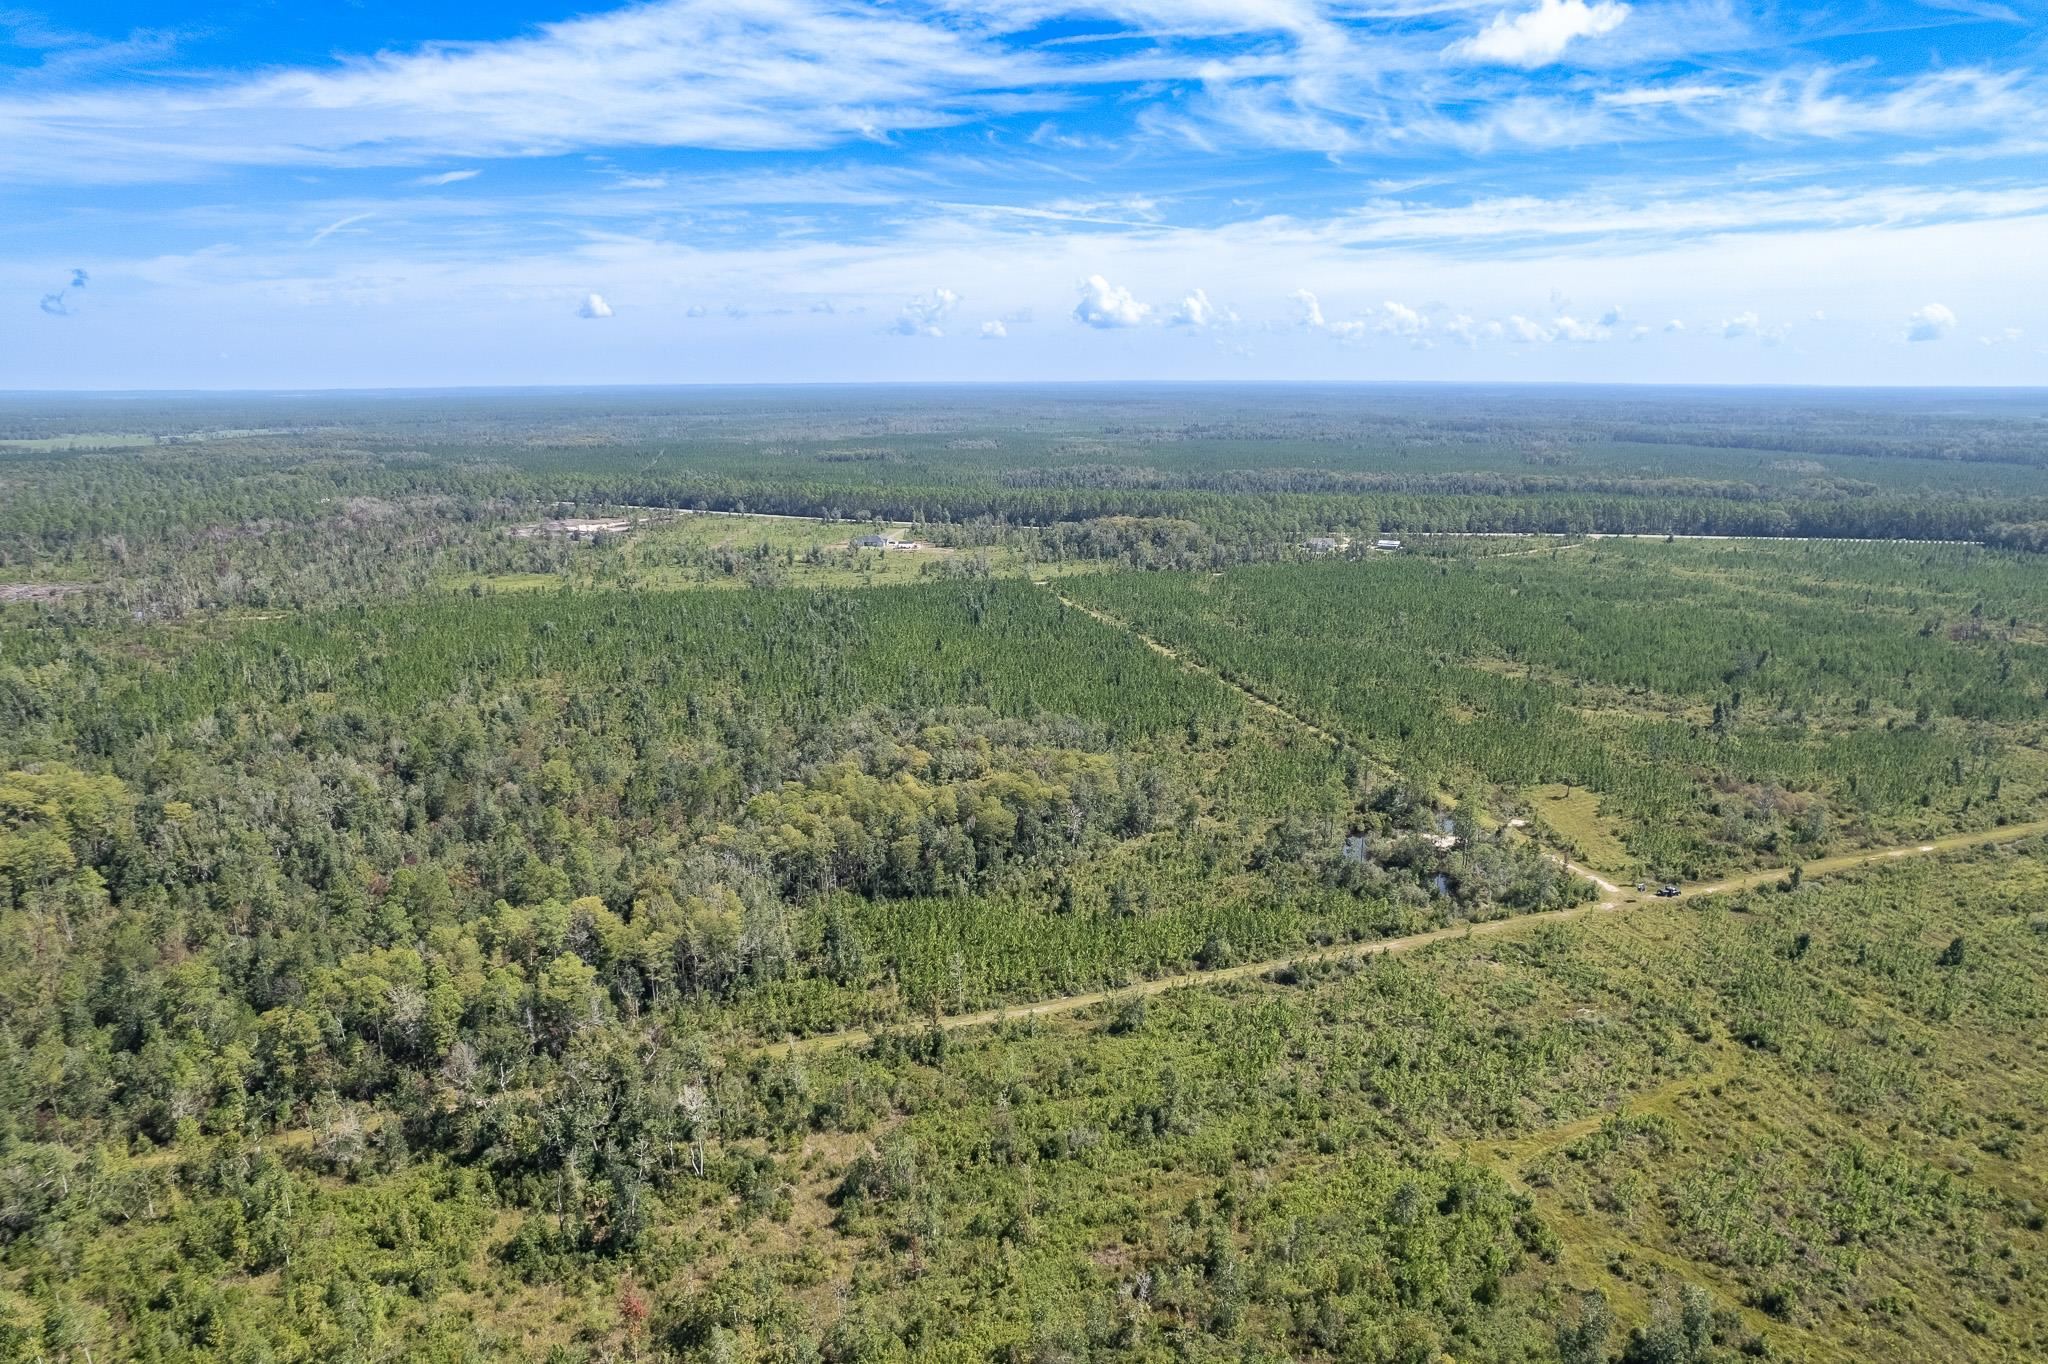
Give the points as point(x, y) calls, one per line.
point(1978, 444)
point(2031, 536)
point(1885, 516)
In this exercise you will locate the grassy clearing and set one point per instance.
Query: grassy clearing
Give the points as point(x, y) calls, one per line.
point(1573, 813)
point(89, 440)
point(714, 552)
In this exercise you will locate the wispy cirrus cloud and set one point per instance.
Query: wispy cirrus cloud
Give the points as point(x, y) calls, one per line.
point(338, 225)
point(1395, 174)
point(805, 75)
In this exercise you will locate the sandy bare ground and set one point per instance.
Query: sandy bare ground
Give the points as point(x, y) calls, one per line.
point(39, 591)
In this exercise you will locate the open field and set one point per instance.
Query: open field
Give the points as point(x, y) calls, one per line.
point(674, 551)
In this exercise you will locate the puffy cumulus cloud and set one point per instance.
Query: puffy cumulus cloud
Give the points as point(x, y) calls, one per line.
point(1422, 327)
point(1934, 322)
point(1674, 325)
point(994, 330)
point(1312, 318)
point(1468, 331)
point(1563, 327)
point(1197, 311)
point(1539, 36)
point(1747, 324)
point(594, 306)
point(1401, 320)
point(1106, 306)
point(1528, 331)
point(922, 316)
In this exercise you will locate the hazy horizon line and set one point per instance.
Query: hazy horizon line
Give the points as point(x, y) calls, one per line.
point(766, 385)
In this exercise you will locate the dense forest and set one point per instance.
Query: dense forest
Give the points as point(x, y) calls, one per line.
point(1025, 876)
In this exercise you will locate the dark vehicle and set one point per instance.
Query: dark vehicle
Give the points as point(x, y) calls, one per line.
point(1667, 892)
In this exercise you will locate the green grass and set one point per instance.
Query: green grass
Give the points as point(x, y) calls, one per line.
point(1574, 813)
point(722, 552)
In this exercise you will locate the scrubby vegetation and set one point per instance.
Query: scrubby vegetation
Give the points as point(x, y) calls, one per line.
point(1731, 704)
point(441, 923)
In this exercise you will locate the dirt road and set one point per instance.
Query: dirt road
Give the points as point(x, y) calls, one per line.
point(1065, 1004)
point(1272, 708)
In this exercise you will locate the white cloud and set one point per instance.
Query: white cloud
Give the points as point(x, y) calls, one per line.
point(994, 331)
point(1806, 103)
point(792, 75)
point(2004, 337)
point(446, 177)
point(731, 74)
point(594, 306)
point(1569, 328)
point(1522, 331)
point(1312, 318)
point(1742, 324)
point(1612, 317)
point(1931, 323)
point(921, 316)
point(1539, 36)
point(374, 308)
point(1402, 320)
point(1197, 311)
point(1105, 306)
point(1674, 325)
point(337, 225)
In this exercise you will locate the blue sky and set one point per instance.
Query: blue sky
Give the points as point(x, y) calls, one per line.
point(256, 195)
